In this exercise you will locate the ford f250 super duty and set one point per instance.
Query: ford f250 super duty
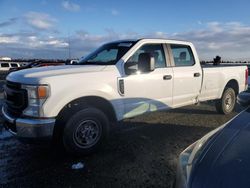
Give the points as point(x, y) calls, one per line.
point(75, 103)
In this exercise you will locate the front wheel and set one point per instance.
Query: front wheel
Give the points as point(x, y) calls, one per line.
point(226, 104)
point(85, 131)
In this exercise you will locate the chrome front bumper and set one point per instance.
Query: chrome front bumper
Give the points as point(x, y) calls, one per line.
point(29, 128)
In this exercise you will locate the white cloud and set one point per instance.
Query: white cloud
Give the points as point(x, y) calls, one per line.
point(159, 34)
point(32, 45)
point(229, 40)
point(31, 41)
point(8, 39)
point(40, 20)
point(214, 26)
point(55, 43)
point(70, 6)
point(199, 22)
point(114, 12)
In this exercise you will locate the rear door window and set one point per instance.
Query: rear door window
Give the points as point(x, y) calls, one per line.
point(182, 55)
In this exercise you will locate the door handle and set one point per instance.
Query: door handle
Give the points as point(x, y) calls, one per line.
point(197, 74)
point(167, 77)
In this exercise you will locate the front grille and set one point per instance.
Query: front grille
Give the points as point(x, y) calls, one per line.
point(13, 85)
point(15, 98)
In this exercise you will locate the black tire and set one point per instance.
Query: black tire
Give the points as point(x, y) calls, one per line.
point(85, 131)
point(226, 104)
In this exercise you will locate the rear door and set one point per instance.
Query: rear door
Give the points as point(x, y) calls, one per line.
point(151, 91)
point(187, 75)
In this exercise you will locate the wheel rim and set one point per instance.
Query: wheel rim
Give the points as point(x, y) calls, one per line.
point(87, 133)
point(229, 101)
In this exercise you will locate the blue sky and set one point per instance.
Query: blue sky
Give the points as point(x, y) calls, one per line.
point(45, 29)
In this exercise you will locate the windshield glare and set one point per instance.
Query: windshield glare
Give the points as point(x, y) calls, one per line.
point(108, 54)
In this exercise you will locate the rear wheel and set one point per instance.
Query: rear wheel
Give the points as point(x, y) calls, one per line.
point(226, 104)
point(85, 131)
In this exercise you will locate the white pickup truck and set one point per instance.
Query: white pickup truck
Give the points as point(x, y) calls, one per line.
point(75, 103)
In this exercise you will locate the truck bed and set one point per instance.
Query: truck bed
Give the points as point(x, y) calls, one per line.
point(216, 77)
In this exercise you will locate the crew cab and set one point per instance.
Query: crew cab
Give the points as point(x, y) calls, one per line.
point(74, 104)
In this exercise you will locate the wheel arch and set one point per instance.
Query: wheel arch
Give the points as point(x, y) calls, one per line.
point(94, 101)
point(233, 84)
point(77, 104)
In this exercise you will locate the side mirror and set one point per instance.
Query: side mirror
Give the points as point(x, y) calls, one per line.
point(244, 99)
point(146, 63)
point(130, 68)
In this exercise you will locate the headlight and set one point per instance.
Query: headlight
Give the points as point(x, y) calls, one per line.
point(37, 95)
point(189, 156)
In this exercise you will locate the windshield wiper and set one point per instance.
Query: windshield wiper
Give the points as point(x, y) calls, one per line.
point(91, 63)
point(97, 63)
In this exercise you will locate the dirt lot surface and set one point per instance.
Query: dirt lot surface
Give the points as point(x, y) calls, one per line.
point(141, 152)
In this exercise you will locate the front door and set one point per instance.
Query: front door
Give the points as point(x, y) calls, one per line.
point(149, 91)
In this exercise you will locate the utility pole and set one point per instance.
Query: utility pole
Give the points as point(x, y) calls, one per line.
point(69, 46)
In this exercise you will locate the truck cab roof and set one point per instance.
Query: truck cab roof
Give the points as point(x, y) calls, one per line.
point(150, 40)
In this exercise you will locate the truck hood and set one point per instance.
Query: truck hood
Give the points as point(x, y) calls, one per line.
point(34, 75)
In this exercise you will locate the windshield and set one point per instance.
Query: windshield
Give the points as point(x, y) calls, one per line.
point(107, 54)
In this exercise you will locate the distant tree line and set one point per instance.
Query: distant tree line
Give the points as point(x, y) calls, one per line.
point(232, 62)
point(217, 61)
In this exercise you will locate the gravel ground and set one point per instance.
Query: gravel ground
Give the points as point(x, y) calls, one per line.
point(141, 152)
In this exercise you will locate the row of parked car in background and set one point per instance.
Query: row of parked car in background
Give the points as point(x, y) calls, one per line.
point(8, 66)
point(5, 66)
